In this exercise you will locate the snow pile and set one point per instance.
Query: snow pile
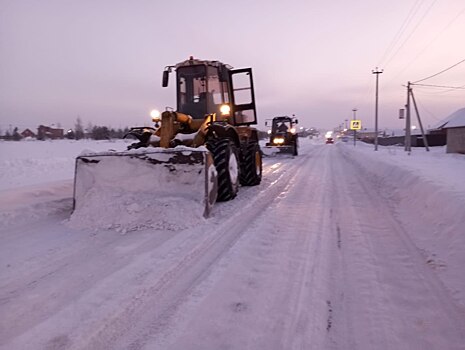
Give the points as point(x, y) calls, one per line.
point(18, 171)
point(35, 202)
point(139, 189)
point(36, 177)
point(126, 212)
point(36, 162)
point(36, 180)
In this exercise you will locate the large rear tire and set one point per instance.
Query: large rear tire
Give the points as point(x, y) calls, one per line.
point(225, 158)
point(251, 166)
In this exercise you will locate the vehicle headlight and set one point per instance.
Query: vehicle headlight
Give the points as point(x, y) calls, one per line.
point(292, 130)
point(225, 110)
point(278, 140)
point(156, 116)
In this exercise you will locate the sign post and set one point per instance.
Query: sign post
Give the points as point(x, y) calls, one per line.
point(355, 124)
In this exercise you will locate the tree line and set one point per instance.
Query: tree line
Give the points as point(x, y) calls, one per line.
point(12, 136)
point(94, 132)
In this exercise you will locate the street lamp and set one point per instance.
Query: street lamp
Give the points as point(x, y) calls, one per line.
point(377, 72)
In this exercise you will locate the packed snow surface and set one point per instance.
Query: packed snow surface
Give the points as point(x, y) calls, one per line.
point(340, 247)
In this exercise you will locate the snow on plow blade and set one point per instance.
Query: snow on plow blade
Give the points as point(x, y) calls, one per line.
point(187, 174)
point(271, 151)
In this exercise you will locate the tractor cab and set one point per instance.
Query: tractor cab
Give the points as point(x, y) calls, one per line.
point(283, 134)
point(282, 126)
point(200, 91)
point(207, 87)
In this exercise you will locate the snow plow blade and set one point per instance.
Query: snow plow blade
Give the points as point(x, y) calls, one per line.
point(185, 173)
point(271, 151)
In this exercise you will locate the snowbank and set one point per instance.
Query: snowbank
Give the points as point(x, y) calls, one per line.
point(427, 191)
point(35, 162)
point(36, 177)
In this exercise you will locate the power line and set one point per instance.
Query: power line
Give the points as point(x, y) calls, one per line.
point(445, 70)
point(451, 89)
point(436, 118)
point(440, 86)
point(429, 44)
point(401, 30)
point(411, 33)
point(437, 90)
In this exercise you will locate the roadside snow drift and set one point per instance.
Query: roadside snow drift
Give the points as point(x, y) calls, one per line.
point(428, 198)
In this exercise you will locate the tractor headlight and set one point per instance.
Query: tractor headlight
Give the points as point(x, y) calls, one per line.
point(269, 132)
point(156, 116)
point(225, 110)
point(278, 140)
point(292, 130)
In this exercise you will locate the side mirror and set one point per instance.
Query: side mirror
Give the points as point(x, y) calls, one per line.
point(166, 75)
point(297, 121)
point(266, 123)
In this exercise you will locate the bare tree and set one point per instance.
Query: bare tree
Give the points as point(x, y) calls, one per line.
point(78, 129)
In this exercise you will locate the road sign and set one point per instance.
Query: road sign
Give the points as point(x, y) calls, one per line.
point(355, 125)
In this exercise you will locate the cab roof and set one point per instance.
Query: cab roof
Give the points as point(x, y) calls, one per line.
point(194, 61)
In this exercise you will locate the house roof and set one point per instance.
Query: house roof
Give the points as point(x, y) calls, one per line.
point(455, 120)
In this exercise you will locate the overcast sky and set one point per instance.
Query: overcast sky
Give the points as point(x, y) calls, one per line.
point(102, 60)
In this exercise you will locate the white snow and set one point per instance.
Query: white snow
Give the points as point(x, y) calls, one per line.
point(456, 119)
point(126, 191)
point(340, 247)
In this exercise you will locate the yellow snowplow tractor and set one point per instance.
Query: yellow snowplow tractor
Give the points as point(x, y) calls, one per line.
point(203, 150)
point(283, 136)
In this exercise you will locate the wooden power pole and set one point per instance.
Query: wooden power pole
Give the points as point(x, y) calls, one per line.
point(377, 72)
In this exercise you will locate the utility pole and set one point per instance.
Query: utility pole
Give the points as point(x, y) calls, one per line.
point(408, 139)
point(355, 131)
point(377, 72)
point(425, 140)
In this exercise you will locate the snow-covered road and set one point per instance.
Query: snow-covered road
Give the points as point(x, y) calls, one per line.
point(321, 255)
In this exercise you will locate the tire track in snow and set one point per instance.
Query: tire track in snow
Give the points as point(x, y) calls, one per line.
point(258, 279)
point(309, 297)
point(408, 306)
point(354, 325)
point(63, 271)
point(180, 281)
point(161, 328)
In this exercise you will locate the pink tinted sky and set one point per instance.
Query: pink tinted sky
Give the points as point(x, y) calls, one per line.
point(102, 59)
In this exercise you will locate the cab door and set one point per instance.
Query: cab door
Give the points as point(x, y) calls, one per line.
point(242, 96)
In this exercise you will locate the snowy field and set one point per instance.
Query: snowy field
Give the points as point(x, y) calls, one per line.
point(340, 247)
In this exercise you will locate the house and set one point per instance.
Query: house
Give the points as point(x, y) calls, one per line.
point(455, 128)
point(46, 132)
point(364, 134)
point(27, 133)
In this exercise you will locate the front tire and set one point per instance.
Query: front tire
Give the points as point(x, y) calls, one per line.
point(296, 146)
point(225, 158)
point(251, 166)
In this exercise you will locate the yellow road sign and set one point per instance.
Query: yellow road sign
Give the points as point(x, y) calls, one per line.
point(355, 125)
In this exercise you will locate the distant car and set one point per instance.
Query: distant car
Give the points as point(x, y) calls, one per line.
point(329, 140)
